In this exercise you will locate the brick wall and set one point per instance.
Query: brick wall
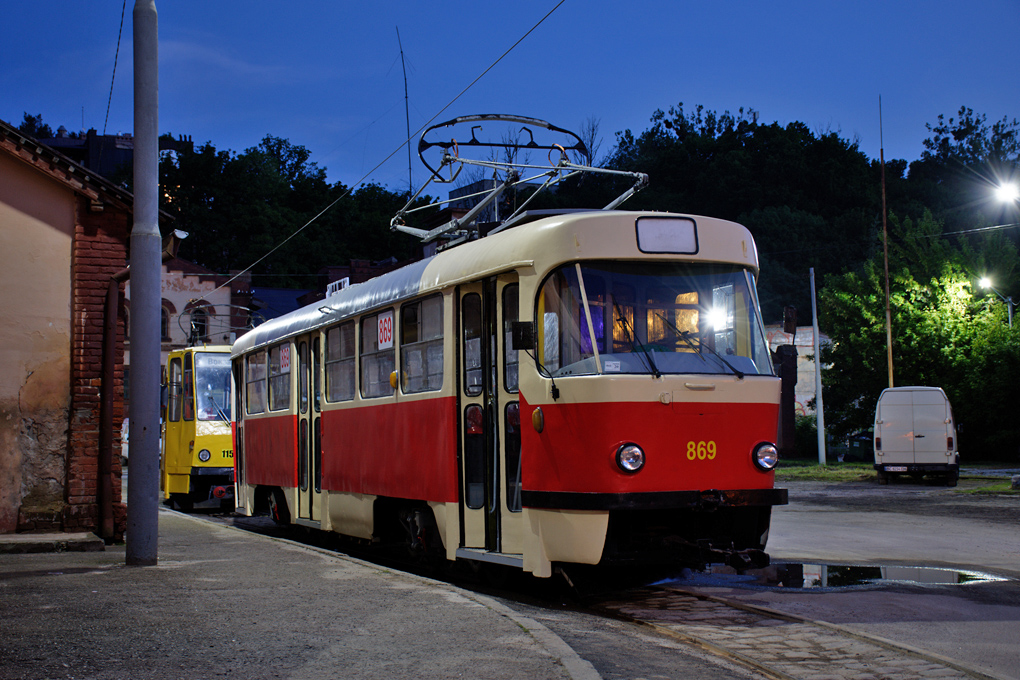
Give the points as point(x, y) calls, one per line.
point(99, 251)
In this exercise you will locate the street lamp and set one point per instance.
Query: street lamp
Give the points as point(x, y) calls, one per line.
point(1007, 192)
point(985, 282)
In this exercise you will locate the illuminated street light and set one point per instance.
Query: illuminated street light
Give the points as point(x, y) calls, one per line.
point(1007, 192)
point(985, 282)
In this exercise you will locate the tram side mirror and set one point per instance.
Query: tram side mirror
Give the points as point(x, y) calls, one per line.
point(523, 335)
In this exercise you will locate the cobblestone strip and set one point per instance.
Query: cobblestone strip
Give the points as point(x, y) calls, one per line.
point(778, 645)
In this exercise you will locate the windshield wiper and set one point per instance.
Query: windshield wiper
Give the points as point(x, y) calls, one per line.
point(218, 409)
point(634, 345)
point(684, 335)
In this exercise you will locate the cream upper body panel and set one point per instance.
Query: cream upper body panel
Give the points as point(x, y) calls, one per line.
point(538, 247)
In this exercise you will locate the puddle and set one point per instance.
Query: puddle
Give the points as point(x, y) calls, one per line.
point(829, 576)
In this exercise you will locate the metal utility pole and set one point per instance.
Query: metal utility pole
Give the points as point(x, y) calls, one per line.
point(819, 411)
point(146, 246)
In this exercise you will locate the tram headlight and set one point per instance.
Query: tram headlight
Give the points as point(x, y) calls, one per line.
point(630, 458)
point(204, 455)
point(766, 456)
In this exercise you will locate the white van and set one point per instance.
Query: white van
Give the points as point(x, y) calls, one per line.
point(915, 434)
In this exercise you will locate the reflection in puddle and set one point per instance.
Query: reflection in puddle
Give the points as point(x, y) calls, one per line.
point(832, 576)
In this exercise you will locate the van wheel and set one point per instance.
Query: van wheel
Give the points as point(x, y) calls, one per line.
point(952, 478)
point(883, 478)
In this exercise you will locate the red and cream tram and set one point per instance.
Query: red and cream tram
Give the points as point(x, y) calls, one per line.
point(582, 388)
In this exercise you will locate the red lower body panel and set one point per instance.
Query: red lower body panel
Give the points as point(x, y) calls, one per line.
point(688, 446)
point(404, 450)
point(270, 450)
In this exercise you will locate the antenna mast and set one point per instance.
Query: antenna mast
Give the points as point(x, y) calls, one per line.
point(407, 116)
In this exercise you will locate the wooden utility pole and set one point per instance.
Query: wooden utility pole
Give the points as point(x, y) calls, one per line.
point(885, 249)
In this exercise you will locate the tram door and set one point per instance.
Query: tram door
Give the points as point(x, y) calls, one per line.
point(309, 437)
point(490, 421)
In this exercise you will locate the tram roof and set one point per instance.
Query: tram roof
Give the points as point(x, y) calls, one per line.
point(536, 245)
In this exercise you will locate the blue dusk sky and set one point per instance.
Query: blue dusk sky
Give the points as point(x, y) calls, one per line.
point(328, 76)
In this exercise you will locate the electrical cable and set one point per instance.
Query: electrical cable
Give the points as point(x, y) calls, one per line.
point(395, 151)
point(116, 55)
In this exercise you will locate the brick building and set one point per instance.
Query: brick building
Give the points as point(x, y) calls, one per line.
point(64, 233)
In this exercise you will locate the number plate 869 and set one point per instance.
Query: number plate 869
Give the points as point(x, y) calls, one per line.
point(701, 450)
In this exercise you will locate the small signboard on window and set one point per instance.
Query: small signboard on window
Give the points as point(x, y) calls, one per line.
point(386, 329)
point(667, 235)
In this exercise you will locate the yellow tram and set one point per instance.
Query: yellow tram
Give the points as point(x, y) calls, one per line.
point(197, 461)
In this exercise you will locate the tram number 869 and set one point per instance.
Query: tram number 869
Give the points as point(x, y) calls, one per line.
point(701, 450)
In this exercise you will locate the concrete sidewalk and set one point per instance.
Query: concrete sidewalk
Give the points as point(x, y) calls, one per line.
point(224, 603)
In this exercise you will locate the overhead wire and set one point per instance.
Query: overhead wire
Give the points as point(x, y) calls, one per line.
point(116, 55)
point(395, 151)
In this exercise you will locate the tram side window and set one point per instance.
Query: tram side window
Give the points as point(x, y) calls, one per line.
point(421, 345)
point(471, 314)
point(175, 388)
point(377, 360)
point(255, 381)
point(189, 389)
point(340, 363)
point(562, 323)
point(279, 377)
point(511, 313)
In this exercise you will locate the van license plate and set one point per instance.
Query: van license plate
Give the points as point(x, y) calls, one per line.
point(895, 468)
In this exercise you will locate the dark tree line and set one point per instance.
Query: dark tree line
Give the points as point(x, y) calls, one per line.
point(271, 199)
point(811, 199)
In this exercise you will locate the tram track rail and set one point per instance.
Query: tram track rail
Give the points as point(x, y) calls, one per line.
point(777, 644)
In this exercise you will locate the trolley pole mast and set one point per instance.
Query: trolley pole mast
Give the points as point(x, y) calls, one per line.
point(143, 488)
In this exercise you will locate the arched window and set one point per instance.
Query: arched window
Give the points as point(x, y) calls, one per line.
point(199, 325)
point(164, 323)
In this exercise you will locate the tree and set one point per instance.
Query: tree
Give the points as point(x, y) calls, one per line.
point(34, 127)
point(810, 200)
point(963, 160)
point(943, 335)
point(262, 208)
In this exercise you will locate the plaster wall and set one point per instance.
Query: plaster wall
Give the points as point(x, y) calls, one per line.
point(804, 341)
point(182, 291)
point(37, 219)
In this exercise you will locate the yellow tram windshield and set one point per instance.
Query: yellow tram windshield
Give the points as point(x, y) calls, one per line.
point(212, 386)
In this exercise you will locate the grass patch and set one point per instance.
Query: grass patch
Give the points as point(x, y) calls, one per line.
point(1004, 488)
point(808, 471)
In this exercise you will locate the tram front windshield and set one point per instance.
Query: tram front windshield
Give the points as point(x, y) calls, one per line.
point(651, 317)
point(212, 385)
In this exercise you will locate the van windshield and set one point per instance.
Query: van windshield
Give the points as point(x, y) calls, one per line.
point(651, 317)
